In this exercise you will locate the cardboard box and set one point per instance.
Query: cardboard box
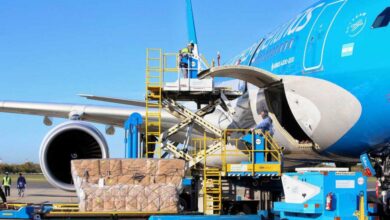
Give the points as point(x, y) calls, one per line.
point(110, 167)
point(170, 167)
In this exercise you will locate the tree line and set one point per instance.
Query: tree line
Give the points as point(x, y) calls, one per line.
point(27, 167)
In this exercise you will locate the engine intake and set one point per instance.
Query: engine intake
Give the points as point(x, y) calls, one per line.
point(68, 141)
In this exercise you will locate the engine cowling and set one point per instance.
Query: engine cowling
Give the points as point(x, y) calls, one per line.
point(68, 141)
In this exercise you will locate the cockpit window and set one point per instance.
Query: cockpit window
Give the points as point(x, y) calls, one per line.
point(383, 19)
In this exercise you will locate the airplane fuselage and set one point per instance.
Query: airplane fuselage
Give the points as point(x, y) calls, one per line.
point(337, 43)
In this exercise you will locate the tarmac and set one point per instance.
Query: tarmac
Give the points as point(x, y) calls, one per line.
point(43, 192)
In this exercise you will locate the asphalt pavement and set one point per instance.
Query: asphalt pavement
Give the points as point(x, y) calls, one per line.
point(42, 192)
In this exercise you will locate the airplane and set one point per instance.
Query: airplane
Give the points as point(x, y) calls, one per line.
point(323, 76)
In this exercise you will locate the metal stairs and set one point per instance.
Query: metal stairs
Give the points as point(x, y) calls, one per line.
point(212, 191)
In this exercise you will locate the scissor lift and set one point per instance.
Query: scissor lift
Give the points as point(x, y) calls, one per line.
point(263, 159)
point(167, 95)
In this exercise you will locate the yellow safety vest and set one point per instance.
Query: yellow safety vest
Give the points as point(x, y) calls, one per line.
point(185, 51)
point(7, 181)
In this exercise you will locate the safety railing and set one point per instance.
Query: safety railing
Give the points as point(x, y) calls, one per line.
point(171, 65)
point(235, 150)
point(196, 146)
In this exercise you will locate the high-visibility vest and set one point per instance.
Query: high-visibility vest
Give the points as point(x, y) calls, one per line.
point(184, 53)
point(185, 50)
point(7, 181)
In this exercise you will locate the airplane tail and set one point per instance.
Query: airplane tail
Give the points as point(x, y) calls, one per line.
point(191, 28)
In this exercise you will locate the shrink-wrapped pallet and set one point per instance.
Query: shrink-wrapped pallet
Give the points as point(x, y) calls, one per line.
point(132, 198)
point(168, 203)
point(98, 198)
point(142, 199)
point(154, 196)
point(109, 199)
point(133, 185)
point(119, 193)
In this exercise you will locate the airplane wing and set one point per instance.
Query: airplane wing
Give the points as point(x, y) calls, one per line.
point(100, 114)
point(114, 100)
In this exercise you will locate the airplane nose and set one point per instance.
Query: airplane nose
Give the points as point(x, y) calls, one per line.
point(324, 110)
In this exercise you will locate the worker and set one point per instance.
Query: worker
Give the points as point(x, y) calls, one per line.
point(7, 184)
point(266, 124)
point(21, 185)
point(184, 55)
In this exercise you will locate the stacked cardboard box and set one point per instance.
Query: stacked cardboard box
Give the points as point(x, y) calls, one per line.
point(133, 185)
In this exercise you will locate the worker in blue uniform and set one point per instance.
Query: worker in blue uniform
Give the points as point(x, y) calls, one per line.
point(266, 124)
point(184, 55)
point(21, 185)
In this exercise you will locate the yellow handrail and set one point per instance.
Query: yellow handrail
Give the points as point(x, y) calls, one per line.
point(233, 137)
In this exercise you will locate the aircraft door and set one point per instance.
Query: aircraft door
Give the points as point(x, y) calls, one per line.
point(315, 44)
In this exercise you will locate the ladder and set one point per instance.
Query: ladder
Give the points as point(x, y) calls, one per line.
point(212, 191)
point(153, 98)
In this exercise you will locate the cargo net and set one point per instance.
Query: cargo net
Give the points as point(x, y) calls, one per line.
point(129, 185)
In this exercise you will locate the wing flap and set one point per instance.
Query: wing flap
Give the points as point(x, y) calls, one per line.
point(115, 100)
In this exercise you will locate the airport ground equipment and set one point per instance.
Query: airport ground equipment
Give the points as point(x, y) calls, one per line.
point(377, 163)
point(366, 163)
point(17, 212)
point(314, 194)
point(262, 156)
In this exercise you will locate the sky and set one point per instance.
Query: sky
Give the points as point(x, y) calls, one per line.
point(50, 51)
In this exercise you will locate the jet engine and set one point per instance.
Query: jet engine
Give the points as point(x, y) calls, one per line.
point(69, 141)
